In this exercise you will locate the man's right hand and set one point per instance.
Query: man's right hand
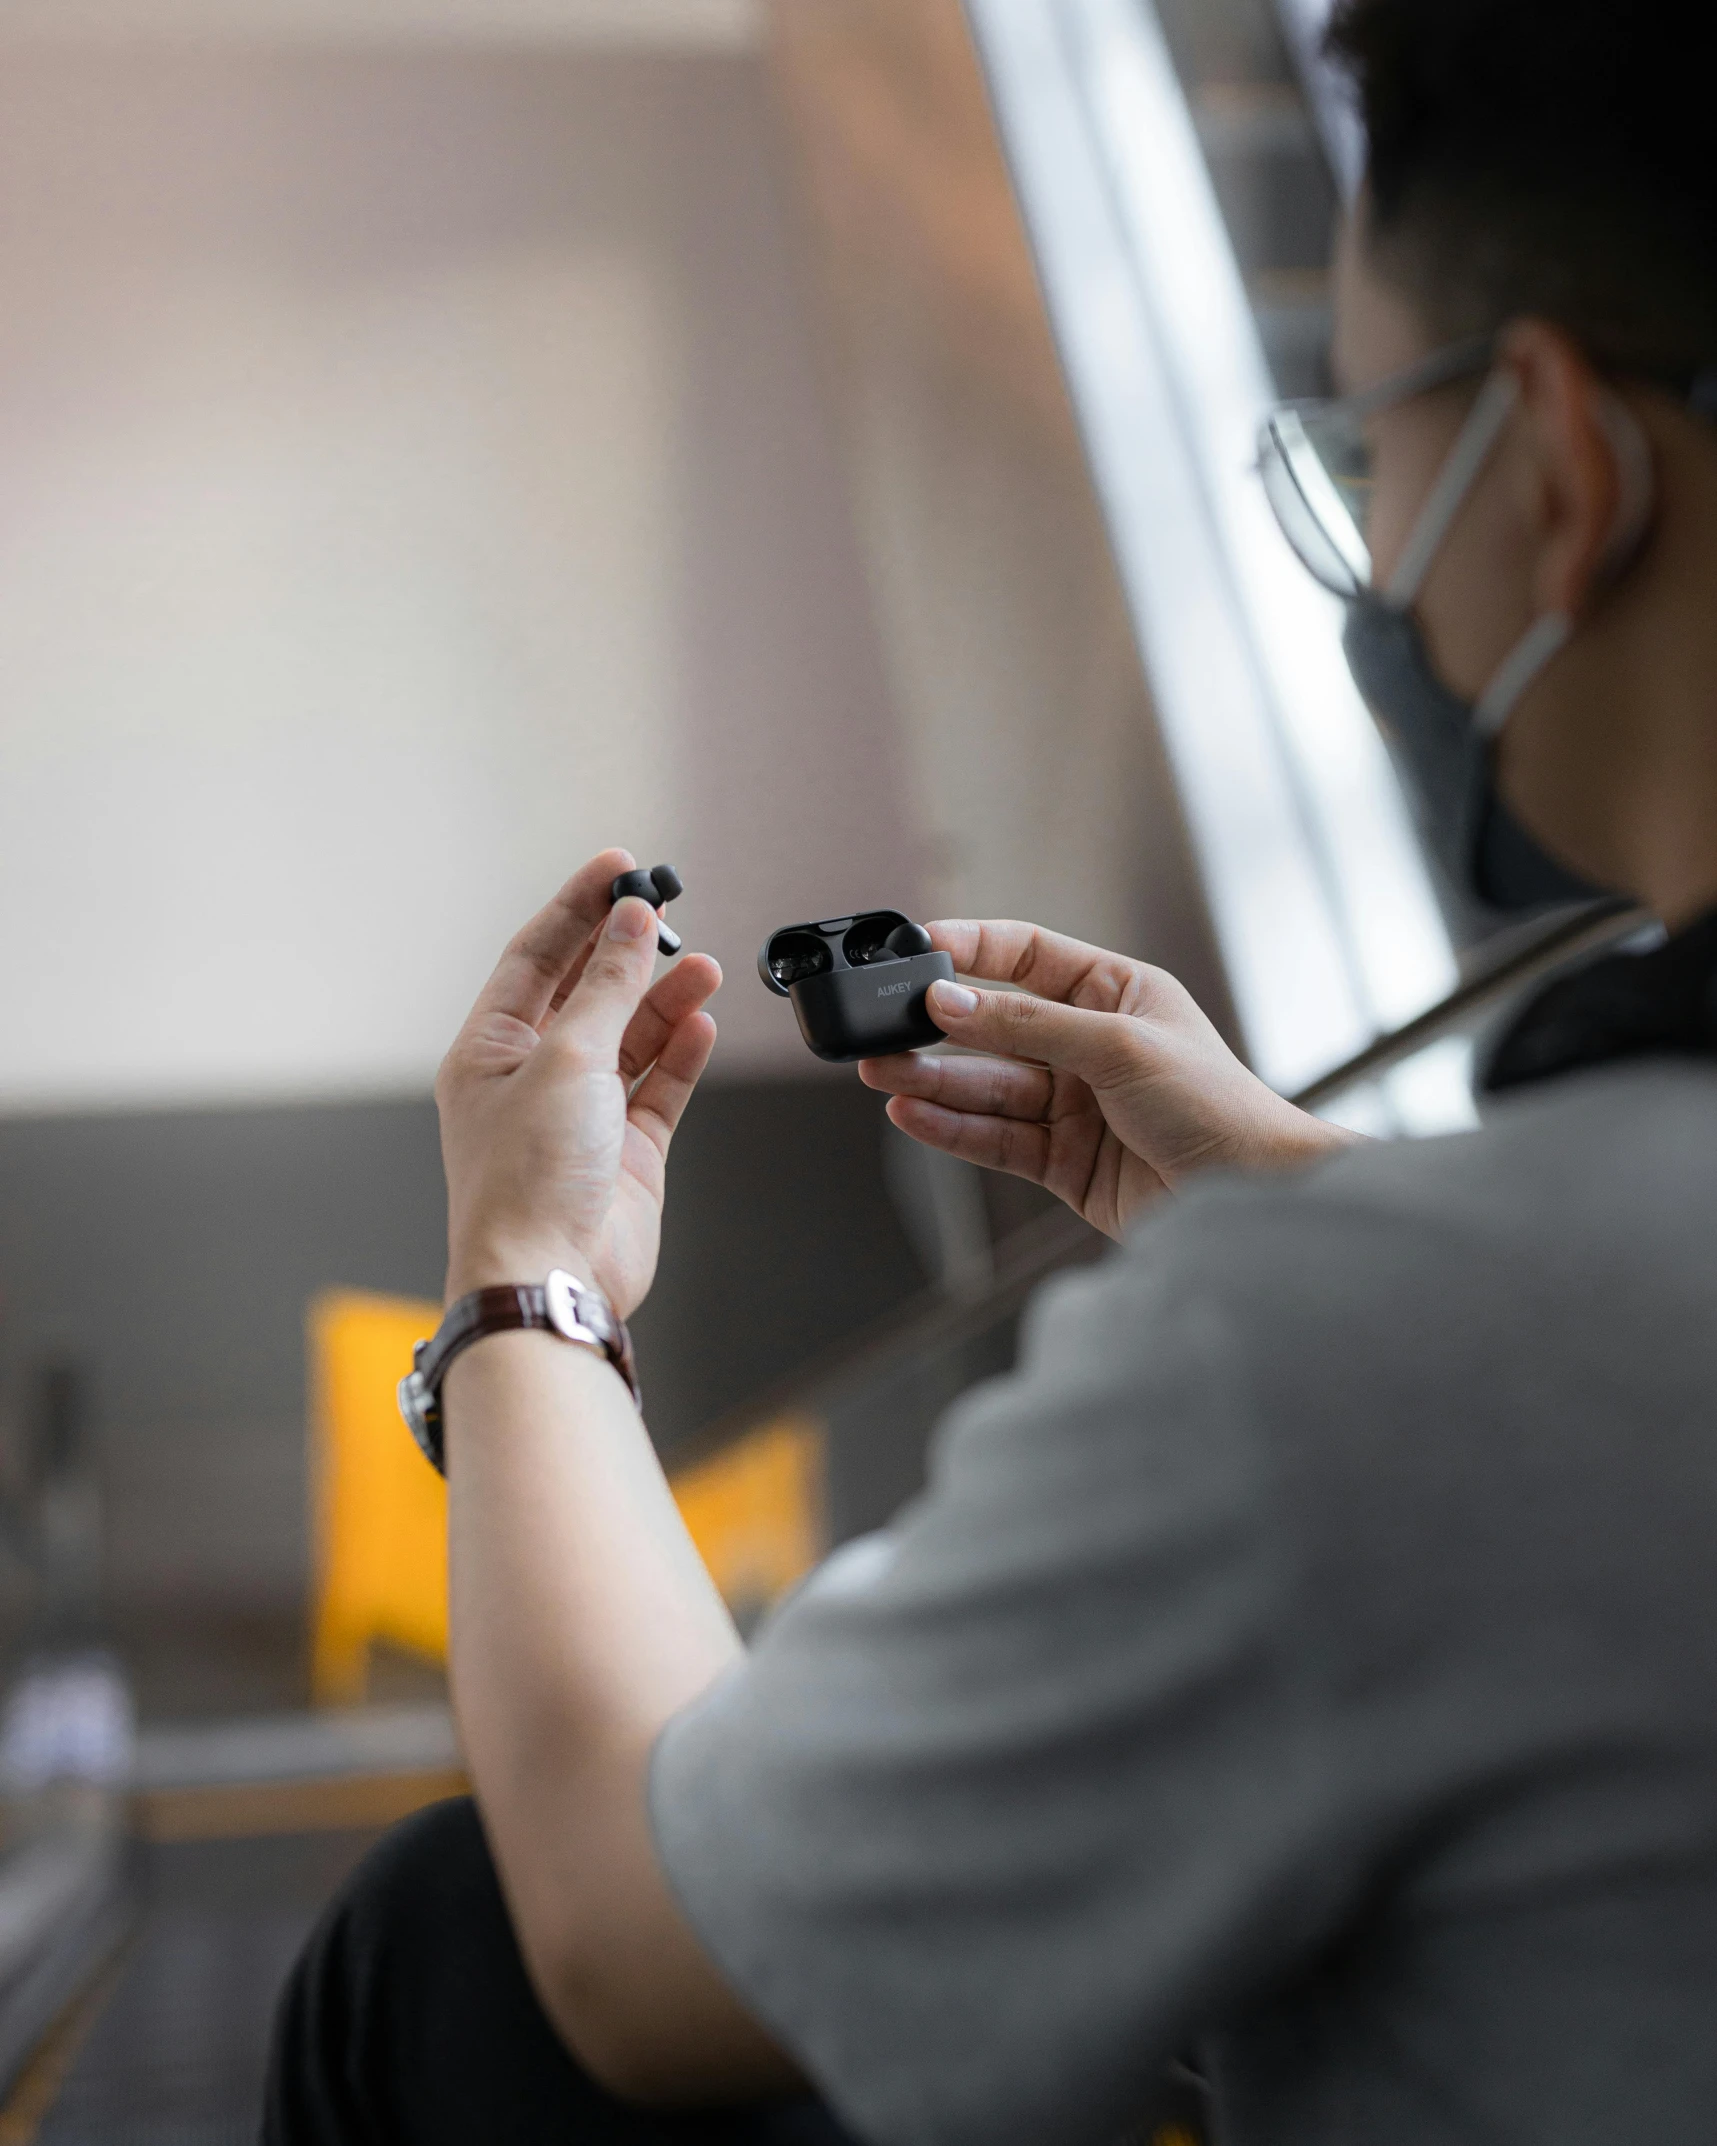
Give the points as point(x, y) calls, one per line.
point(1103, 1081)
point(562, 1091)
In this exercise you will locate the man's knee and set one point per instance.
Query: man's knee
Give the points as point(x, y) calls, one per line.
point(431, 1875)
point(413, 1949)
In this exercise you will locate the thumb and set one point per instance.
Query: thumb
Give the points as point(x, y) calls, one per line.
point(615, 979)
point(1099, 1047)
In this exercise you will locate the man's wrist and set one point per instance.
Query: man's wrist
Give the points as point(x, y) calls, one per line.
point(1307, 1139)
point(559, 1306)
point(504, 1262)
point(1282, 1136)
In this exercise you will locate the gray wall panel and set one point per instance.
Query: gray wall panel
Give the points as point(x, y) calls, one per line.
point(171, 1257)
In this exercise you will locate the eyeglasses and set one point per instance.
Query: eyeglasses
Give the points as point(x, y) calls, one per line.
point(1315, 461)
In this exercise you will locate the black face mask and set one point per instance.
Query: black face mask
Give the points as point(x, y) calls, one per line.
point(1438, 743)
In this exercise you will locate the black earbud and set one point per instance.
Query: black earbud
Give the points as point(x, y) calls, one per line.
point(661, 883)
point(906, 940)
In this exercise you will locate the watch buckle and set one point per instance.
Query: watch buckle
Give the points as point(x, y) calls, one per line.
point(561, 1294)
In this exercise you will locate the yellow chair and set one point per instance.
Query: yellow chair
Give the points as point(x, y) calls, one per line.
point(755, 1509)
point(380, 1512)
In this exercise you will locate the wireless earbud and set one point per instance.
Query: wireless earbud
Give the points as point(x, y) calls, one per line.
point(906, 940)
point(857, 983)
point(661, 883)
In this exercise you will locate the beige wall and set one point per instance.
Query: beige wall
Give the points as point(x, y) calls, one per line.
point(628, 24)
point(415, 475)
point(1031, 738)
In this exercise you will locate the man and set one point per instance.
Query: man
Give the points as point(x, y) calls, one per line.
point(1309, 1656)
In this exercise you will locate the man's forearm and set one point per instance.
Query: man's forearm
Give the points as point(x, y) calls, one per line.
point(582, 1619)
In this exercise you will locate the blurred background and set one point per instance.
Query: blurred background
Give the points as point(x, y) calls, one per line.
point(805, 440)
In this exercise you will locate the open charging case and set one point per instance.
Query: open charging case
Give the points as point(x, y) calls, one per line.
point(854, 997)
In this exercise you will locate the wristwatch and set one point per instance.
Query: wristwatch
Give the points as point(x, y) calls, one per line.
point(562, 1305)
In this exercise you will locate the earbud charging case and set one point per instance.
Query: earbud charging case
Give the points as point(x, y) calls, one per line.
point(861, 1002)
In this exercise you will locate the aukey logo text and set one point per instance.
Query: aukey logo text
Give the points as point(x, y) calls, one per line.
point(892, 990)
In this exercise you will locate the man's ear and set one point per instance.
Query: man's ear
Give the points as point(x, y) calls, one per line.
point(1593, 487)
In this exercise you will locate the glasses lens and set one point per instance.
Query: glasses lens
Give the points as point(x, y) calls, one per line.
point(1317, 476)
point(796, 955)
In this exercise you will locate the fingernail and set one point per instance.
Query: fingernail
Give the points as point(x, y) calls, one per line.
point(630, 919)
point(953, 999)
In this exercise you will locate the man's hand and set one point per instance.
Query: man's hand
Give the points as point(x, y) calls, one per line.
point(1104, 1083)
point(562, 1092)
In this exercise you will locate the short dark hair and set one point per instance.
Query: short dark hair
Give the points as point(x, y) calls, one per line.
point(1545, 157)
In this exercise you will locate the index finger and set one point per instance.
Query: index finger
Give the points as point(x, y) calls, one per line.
point(540, 956)
point(1067, 971)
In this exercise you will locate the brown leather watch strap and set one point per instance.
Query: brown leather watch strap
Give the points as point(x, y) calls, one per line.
point(562, 1305)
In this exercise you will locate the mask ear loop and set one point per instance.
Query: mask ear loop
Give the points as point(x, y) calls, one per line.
point(1548, 636)
point(1544, 638)
point(1466, 458)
